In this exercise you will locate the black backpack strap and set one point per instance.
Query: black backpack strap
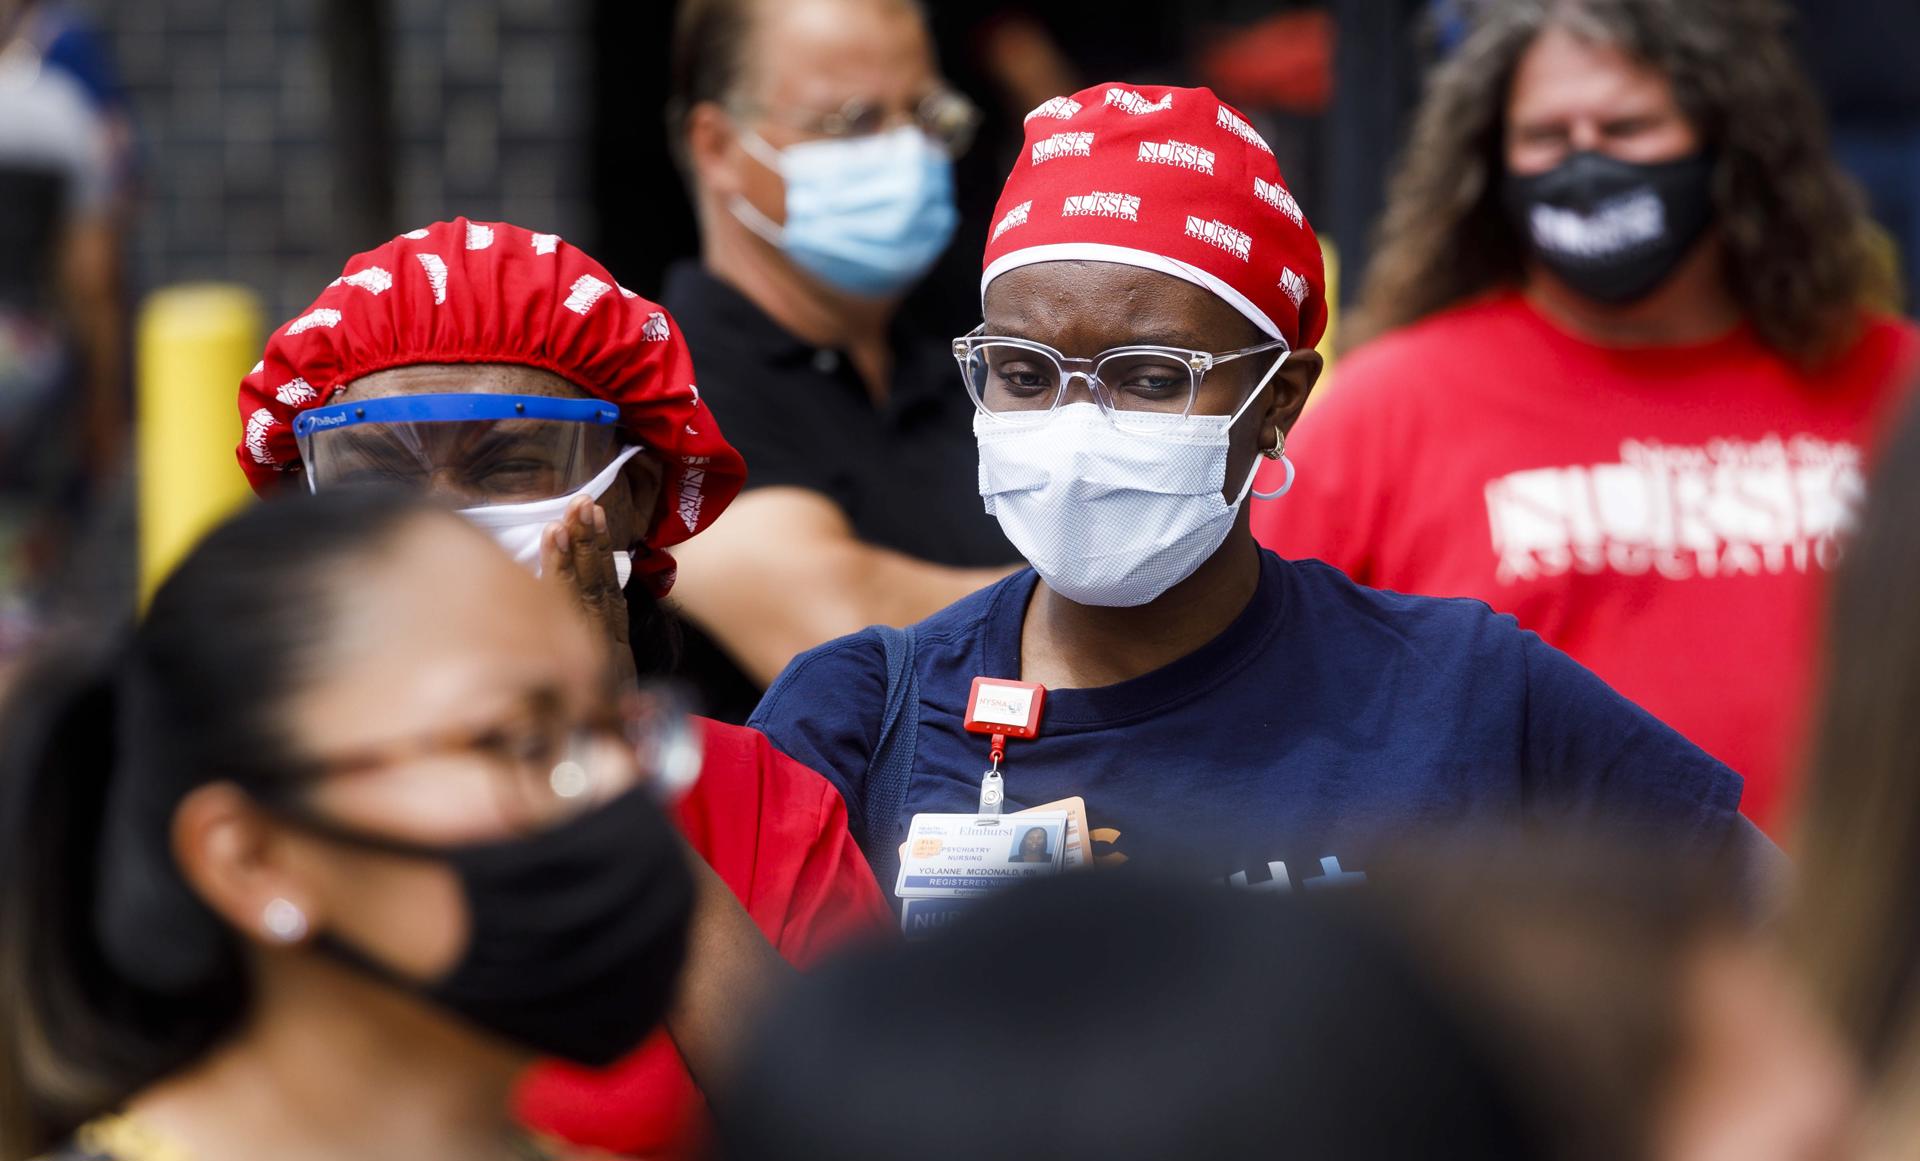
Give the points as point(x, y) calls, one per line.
point(884, 793)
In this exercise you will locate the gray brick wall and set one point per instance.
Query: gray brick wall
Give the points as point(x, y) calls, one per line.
point(232, 101)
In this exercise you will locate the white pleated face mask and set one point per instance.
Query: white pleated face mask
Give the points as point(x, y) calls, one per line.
point(517, 527)
point(1108, 516)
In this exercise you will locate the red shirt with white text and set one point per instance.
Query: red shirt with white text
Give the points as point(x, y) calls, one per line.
point(1667, 516)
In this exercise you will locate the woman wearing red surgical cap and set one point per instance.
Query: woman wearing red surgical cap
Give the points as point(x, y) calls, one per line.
point(508, 372)
point(1152, 295)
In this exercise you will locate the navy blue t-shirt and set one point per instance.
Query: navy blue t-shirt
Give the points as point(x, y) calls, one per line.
point(1327, 720)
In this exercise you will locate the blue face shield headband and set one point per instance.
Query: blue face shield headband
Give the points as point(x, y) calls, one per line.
point(479, 450)
point(512, 462)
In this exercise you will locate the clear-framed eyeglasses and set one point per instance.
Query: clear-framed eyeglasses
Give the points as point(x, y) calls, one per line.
point(1020, 381)
point(945, 115)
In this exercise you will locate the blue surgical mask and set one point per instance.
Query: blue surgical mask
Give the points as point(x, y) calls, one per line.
point(865, 215)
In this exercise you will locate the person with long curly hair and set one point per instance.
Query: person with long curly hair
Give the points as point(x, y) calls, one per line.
point(1618, 370)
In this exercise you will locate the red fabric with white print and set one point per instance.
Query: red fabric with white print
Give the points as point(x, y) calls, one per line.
point(1170, 179)
point(489, 292)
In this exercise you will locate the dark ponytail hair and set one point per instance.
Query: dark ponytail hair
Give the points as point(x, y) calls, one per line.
point(112, 972)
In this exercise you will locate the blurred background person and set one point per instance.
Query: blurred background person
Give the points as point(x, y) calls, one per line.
point(1168, 1021)
point(818, 139)
point(293, 872)
point(505, 372)
point(1858, 844)
point(68, 42)
point(1624, 380)
point(1007, 56)
point(63, 415)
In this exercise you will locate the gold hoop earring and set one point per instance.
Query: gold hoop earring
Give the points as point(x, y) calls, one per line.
point(1279, 447)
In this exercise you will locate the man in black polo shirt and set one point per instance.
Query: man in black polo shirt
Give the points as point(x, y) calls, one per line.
point(817, 136)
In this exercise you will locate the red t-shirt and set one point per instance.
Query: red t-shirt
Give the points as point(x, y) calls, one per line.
point(1666, 515)
point(776, 833)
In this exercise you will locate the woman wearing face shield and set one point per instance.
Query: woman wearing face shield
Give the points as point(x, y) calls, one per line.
point(506, 372)
point(320, 856)
point(1152, 294)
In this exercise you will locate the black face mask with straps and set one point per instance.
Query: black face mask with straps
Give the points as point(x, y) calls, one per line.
point(575, 935)
point(1612, 230)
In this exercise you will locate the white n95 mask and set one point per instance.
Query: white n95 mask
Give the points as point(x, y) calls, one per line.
point(1109, 516)
point(517, 527)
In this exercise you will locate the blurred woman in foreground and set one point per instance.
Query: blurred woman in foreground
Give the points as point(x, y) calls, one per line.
point(293, 872)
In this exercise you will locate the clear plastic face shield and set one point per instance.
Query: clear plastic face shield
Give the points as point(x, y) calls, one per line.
point(476, 450)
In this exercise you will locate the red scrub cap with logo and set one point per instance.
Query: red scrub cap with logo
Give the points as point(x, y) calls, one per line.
point(489, 292)
point(1174, 180)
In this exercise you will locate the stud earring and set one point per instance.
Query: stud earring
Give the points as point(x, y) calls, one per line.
point(285, 922)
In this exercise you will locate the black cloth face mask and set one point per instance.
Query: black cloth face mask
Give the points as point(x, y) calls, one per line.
point(1612, 230)
point(576, 935)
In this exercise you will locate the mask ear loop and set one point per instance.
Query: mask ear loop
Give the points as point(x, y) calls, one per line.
point(749, 215)
point(1280, 442)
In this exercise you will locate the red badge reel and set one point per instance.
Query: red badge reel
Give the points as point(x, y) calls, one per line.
point(1004, 709)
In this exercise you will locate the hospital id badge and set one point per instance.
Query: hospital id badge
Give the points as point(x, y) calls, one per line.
point(957, 856)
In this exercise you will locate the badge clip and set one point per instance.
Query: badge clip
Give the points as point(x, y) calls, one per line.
point(992, 786)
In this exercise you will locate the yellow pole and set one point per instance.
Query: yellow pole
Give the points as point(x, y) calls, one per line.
point(195, 343)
